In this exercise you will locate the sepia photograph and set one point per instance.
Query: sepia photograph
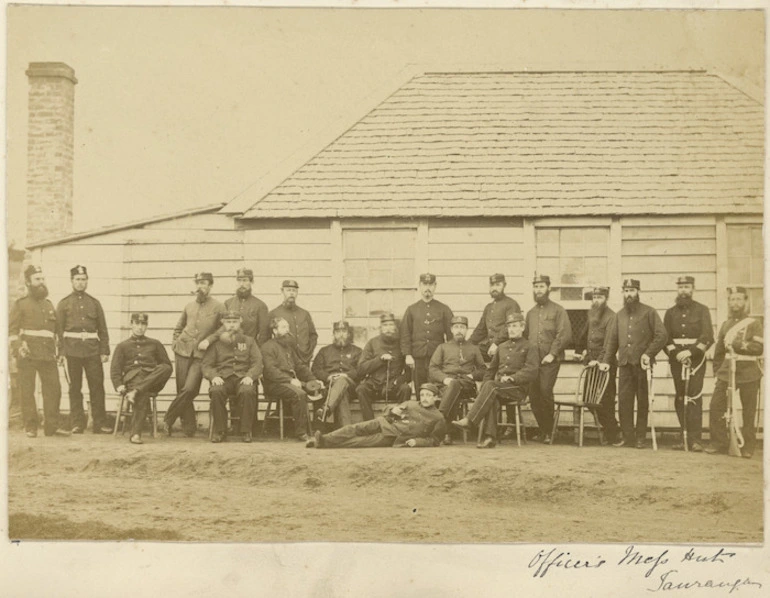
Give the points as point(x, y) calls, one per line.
point(515, 255)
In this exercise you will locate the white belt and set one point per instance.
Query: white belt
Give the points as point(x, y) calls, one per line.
point(684, 341)
point(735, 357)
point(42, 333)
point(81, 335)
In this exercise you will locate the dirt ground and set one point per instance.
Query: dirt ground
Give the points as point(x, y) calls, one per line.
point(98, 487)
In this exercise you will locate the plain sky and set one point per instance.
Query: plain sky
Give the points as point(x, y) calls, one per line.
point(183, 107)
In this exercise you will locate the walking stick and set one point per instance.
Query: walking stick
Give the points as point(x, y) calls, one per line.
point(686, 371)
point(651, 398)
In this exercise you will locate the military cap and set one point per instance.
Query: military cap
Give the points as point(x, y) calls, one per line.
point(140, 317)
point(204, 276)
point(685, 280)
point(245, 273)
point(604, 291)
point(428, 278)
point(496, 278)
point(631, 283)
point(737, 289)
point(341, 325)
point(431, 387)
point(542, 278)
point(78, 271)
point(30, 270)
point(231, 314)
point(459, 320)
point(515, 317)
point(288, 283)
point(387, 317)
point(312, 388)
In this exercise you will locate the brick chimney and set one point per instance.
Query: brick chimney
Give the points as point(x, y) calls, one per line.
point(50, 150)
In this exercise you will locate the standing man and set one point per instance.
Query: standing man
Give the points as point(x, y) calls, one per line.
point(255, 321)
point(382, 369)
point(85, 344)
point(233, 365)
point(688, 326)
point(548, 327)
point(426, 324)
point(600, 317)
point(193, 333)
point(491, 330)
point(32, 333)
point(637, 335)
point(140, 369)
point(455, 366)
point(286, 375)
point(337, 365)
point(739, 335)
point(300, 321)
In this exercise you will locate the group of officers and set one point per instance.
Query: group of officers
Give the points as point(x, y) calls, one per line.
point(514, 356)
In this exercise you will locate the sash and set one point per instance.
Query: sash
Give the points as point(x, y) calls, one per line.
point(736, 330)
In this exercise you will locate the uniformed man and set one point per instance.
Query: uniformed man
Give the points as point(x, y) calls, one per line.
point(233, 365)
point(286, 375)
point(337, 365)
point(409, 424)
point(491, 330)
point(301, 326)
point(140, 369)
point(426, 325)
point(255, 321)
point(637, 335)
point(32, 333)
point(455, 367)
point(600, 317)
point(85, 345)
point(195, 330)
point(508, 379)
point(740, 335)
point(688, 326)
point(548, 327)
point(382, 370)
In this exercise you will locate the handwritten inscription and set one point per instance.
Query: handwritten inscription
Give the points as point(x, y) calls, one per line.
point(668, 581)
point(543, 561)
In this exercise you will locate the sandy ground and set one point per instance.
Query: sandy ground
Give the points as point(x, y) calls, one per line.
point(98, 487)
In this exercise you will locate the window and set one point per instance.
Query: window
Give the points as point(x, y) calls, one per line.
point(745, 262)
point(379, 277)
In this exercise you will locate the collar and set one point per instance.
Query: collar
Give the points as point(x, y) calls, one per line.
point(138, 338)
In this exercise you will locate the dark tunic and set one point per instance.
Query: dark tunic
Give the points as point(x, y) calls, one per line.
point(492, 328)
point(80, 312)
point(518, 358)
point(337, 360)
point(301, 326)
point(633, 333)
point(456, 360)
point(240, 358)
point(282, 364)
point(198, 321)
point(255, 321)
point(134, 355)
point(597, 335)
point(424, 327)
point(692, 322)
point(548, 328)
point(748, 340)
point(35, 316)
point(371, 367)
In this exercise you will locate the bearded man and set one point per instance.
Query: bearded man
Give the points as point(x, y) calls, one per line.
point(255, 321)
point(301, 326)
point(491, 330)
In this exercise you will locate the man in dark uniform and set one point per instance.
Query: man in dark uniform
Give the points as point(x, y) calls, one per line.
point(637, 335)
point(382, 370)
point(337, 365)
point(455, 367)
point(32, 333)
point(85, 344)
point(688, 326)
point(301, 326)
point(509, 377)
point(233, 365)
point(547, 327)
point(491, 330)
point(409, 424)
point(255, 321)
point(426, 324)
point(194, 332)
point(740, 335)
point(600, 317)
point(286, 375)
point(140, 369)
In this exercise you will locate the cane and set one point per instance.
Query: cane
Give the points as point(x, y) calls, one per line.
point(387, 382)
point(686, 371)
point(651, 399)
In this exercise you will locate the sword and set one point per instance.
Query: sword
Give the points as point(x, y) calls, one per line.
point(686, 371)
point(651, 398)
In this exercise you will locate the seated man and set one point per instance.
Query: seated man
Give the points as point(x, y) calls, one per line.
point(456, 365)
point(337, 364)
point(512, 368)
point(140, 369)
point(285, 374)
point(382, 369)
point(410, 424)
point(233, 365)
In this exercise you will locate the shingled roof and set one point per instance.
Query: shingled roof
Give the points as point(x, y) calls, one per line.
point(538, 144)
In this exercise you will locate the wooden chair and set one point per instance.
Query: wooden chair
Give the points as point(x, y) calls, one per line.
point(591, 385)
point(504, 423)
point(281, 416)
point(125, 410)
point(232, 420)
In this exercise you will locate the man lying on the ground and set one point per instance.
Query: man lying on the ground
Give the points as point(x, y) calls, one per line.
point(409, 424)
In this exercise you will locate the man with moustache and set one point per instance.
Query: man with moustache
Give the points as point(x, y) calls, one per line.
point(739, 335)
point(337, 364)
point(600, 316)
point(688, 326)
point(195, 330)
point(637, 335)
point(300, 321)
point(549, 329)
point(140, 369)
point(255, 321)
point(84, 345)
point(425, 325)
point(510, 374)
point(491, 330)
point(455, 366)
point(233, 366)
point(32, 334)
point(286, 375)
point(382, 369)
